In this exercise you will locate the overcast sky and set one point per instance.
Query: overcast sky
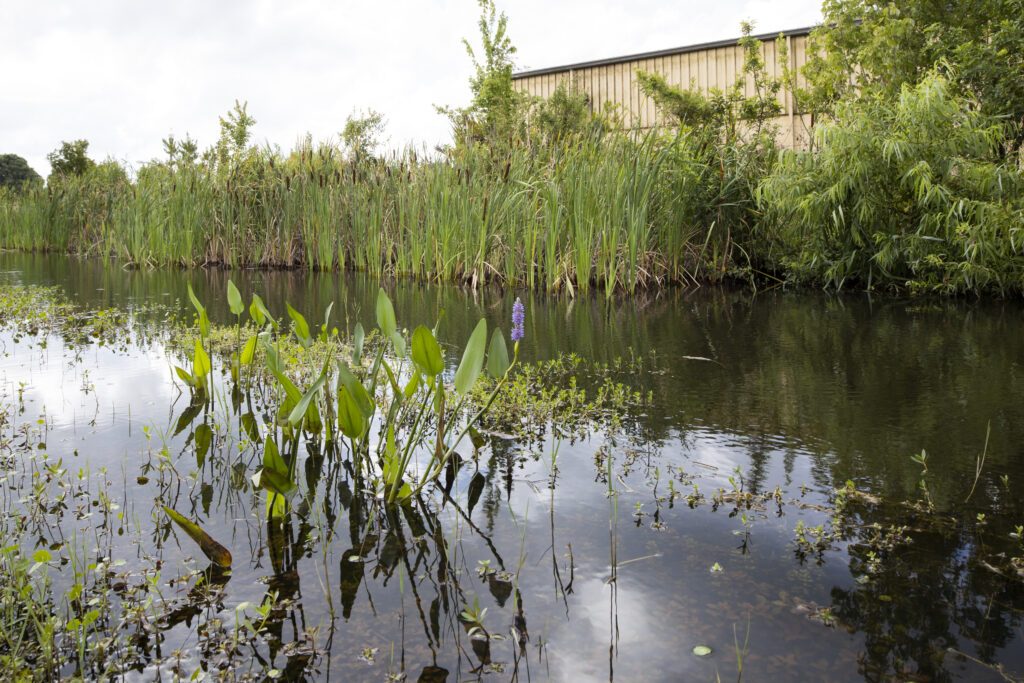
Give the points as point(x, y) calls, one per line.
point(124, 74)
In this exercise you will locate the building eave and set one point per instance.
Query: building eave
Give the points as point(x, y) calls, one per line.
point(658, 53)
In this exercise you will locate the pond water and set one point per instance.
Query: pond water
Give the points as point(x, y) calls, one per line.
point(692, 520)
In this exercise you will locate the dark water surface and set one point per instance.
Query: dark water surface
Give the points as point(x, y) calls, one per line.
point(803, 391)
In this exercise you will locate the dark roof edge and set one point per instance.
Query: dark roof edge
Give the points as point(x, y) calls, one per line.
point(660, 53)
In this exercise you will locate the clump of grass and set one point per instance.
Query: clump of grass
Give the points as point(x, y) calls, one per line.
point(607, 208)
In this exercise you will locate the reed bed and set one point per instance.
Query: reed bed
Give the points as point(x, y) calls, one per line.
point(614, 211)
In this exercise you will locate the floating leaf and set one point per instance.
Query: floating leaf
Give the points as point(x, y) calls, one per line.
point(702, 650)
point(472, 359)
point(497, 355)
point(426, 352)
point(235, 299)
point(213, 550)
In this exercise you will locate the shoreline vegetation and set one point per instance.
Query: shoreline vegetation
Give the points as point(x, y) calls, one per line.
point(914, 183)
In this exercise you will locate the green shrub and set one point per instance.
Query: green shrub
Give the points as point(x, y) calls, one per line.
point(907, 194)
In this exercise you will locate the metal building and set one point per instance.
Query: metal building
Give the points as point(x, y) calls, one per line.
point(704, 66)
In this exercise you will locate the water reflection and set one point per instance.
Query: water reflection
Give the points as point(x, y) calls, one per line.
point(592, 567)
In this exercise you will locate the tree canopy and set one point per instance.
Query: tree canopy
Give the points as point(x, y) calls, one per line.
point(872, 48)
point(15, 172)
point(70, 159)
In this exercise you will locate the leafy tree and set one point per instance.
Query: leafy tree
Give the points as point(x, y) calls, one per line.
point(232, 145)
point(15, 172)
point(496, 112)
point(872, 48)
point(362, 134)
point(236, 129)
point(722, 111)
point(183, 153)
point(70, 159)
point(108, 174)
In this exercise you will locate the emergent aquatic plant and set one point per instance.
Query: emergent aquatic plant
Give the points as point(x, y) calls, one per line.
point(384, 409)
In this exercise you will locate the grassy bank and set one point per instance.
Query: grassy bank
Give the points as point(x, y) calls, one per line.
point(614, 210)
point(914, 198)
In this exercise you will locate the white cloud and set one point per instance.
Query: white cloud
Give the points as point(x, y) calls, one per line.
point(125, 74)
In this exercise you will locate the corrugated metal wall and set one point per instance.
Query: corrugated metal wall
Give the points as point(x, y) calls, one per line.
point(715, 67)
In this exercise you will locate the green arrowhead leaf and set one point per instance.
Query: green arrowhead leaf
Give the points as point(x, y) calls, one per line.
point(426, 352)
point(248, 351)
point(295, 417)
point(358, 336)
point(274, 482)
point(204, 321)
point(300, 327)
point(272, 459)
point(472, 359)
point(356, 390)
point(259, 312)
point(327, 319)
point(350, 418)
point(274, 365)
point(235, 299)
point(200, 362)
point(497, 355)
point(385, 314)
point(412, 385)
point(477, 438)
point(398, 343)
point(185, 377)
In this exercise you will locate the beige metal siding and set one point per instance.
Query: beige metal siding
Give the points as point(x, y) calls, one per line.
point(716, 67)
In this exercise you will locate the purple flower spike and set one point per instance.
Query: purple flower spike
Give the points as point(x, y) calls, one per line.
point(518, 320)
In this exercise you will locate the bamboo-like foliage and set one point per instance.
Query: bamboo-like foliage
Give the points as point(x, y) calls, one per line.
point(912, 195)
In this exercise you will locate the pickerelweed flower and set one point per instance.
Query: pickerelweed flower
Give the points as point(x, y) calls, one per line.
point(518, 320)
